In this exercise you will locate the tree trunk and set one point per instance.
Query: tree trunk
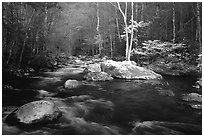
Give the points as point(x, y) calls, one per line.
point(166, 25)
point(142, 11)
point(100, 48)
point(114, 45)
point(10, 52)
point(117, 26)
point(24, 41)
point(132, 32)
point(199, 25)
point(97, 28)
point(111, 45)
point(136, 16)
point(181, 23)
point(126, 31)
point(92, 49)
point(16, 38)
point(157, 11)
point(174, 24)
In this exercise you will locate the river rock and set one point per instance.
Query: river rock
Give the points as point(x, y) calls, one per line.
point(7, 87)
point(198, 83)
point(196, 106)
point(166, 92)
point(97, 76)
point(96, 67)
point(72, 84)
point(44, 93)
point(128, 70)
point(192, 97)
point(34, 112)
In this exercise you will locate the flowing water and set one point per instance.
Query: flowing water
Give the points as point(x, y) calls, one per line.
point(111, 107)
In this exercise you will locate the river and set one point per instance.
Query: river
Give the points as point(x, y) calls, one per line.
point(111, 107)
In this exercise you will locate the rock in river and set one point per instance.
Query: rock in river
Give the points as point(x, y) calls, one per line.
point(34, 112)
point(97, 76)
point(166, 92)
point(72, 84)
point(128, 70)
point(192, 97)
point(96, 67)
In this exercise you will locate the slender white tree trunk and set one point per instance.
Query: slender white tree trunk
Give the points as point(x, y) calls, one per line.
point(97, 28)
point(132, 32)
point(199, 29)
point(174, 24)
point(126, 31)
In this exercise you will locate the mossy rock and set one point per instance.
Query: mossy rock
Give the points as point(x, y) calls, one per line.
point(41, 111)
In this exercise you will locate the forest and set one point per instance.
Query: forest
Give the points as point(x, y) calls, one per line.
point(87, 63)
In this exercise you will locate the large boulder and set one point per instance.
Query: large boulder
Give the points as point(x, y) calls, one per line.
point(97, 76)
point(72, 84)
point(34, 112)
point(128, 70)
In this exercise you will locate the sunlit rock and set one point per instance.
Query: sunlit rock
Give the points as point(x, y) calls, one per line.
point(72, 84)
point(93, 68)
point(34, 112)
point(97, 76)
point(128, 70)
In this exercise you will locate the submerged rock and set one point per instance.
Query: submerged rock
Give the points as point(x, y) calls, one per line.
point(34, 112)
point(128, 70)
point(72, 84)
point(7, 87)
point(80, 98)
point(192, 97)
point(166, 92)
point(97, 76)
point(196, 106)
point(44, 93)
point(165, 128)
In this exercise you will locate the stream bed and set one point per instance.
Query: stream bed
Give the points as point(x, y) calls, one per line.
point(110, 107)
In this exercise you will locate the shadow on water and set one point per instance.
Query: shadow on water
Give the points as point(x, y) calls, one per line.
point(113, 107)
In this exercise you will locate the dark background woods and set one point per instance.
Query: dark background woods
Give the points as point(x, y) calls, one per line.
point(37, 34)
